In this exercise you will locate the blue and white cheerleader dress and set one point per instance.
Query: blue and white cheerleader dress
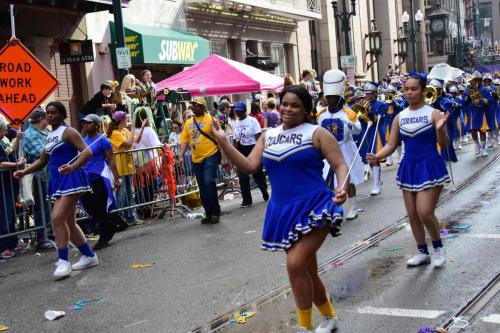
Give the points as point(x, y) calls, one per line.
point(422, 167)
point(301, 199)
point(60, 153)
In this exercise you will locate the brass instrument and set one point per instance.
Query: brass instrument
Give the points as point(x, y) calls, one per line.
point(389, 98)
point(115, 84)
point(430, 95)
point(362, 110)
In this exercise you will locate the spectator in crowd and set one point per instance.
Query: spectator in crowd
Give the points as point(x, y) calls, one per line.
point(146, 139)
point(246, 132)
point(188, 114)
point(131, 92)
point(122, 140)
point(224, 109)
point(271, 115)
point(105, 121)
point(100, 103)
point(148, 87)
point(257, 114)
point(176, 132)
point(288, 81)
point(197, 134)
point(389, 71)
point(231, 118)
point(32, 146)
point(8, 159)
point(103, 176)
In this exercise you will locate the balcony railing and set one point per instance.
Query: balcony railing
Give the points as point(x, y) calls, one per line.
point(296, 9)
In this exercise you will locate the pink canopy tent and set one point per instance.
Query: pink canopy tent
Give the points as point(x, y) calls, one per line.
point(217, 75)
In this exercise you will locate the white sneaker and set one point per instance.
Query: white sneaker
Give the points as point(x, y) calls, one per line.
point(86, 262)
point(484, 153)
point(477, 152)
point(459, 147)
point(304, 330)
point(375, 191)
point(327, 325)
point(438, 257)
point(388, 161)
point(63, 269)
point(419, 259)
point(353, 213)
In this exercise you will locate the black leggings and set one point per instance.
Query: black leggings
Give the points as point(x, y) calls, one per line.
point(95, 204)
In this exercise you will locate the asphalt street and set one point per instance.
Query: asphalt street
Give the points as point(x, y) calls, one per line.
point(199, 272)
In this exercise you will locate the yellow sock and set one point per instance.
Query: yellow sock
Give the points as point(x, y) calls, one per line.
point(304, 318)
point(327, 310)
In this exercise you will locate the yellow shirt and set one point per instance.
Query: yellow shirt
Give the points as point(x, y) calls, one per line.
point(124, 162)
point(201, 146)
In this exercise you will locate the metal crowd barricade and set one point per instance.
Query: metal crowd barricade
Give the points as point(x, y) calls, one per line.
point(148, 180)
point(17, 217)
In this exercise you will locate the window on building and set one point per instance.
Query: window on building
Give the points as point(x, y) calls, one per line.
point(428, 3)
point(278, 56)
point(219, 47)
point(428, 43)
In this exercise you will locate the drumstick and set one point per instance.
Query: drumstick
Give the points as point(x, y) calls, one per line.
point(357, 153)
point(375, 137)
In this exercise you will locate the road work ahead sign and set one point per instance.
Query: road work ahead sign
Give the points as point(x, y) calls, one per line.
point(24, 82)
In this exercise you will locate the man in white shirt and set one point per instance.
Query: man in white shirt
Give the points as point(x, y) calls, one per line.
point(246, 133)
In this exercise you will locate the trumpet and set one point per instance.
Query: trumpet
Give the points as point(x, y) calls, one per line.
point(362, 110)
point(115, 84)
point(430, 95)
point(389, 98)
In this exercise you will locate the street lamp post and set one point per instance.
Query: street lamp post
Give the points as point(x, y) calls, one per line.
point(402, 47)
point(412, 31)
point(375, 41)
point(344, 18)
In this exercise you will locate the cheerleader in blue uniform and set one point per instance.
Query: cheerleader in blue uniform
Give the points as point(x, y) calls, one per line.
point(67, 183)
point(376, 134)
point(422, 173)
point(445, 105)
point(301, 210)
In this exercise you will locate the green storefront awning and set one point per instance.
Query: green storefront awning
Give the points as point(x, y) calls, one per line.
point(154, 45)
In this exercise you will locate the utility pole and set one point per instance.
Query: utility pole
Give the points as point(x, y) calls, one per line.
point(119, 31)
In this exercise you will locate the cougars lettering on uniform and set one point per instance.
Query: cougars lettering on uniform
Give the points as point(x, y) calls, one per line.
point(284, 139)
point(51, 140)
point(415, 120)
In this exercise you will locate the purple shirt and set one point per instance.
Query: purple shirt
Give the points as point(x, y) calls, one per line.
point(273, 117)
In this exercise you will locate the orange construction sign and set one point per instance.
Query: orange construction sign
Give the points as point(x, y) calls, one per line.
point(24, 82)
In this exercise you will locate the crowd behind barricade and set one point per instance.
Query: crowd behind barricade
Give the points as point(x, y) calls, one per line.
point(149, 147)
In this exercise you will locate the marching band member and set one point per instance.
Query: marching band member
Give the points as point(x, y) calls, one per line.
point(445, 105)
point(465, 118)
point(359, 96)
point(342, 122)
point(491, 111)
point(478, 102)
point(378, 109)
point(349, 96)
point(455, 117)
point(393, 109)
point(422, 173)
point(496, 86)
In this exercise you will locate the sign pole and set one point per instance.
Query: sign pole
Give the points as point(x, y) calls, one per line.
point(119, 31)
point(12, 22)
